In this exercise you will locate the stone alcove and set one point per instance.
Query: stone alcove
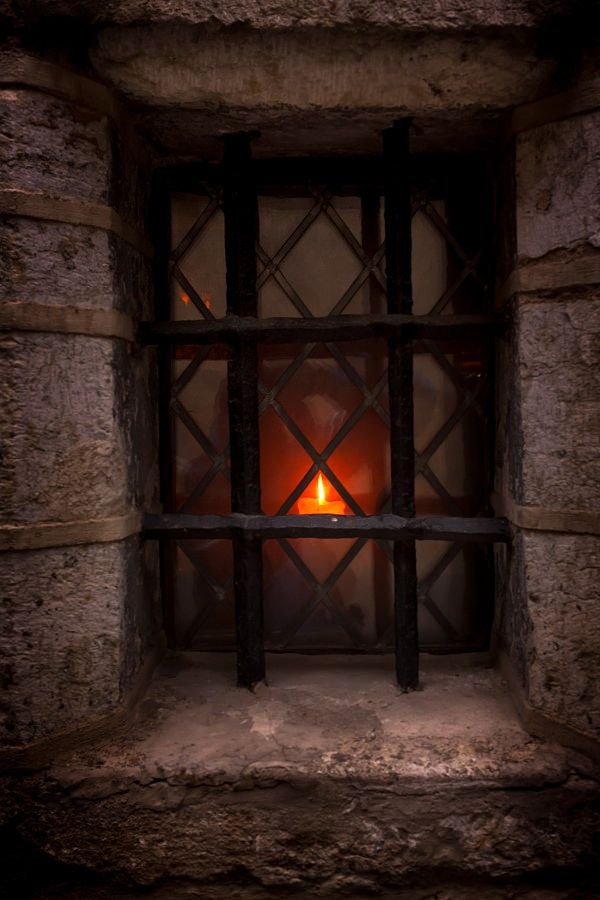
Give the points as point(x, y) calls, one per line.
point(83, 628)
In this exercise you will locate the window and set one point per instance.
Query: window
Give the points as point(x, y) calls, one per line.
point(306, 372)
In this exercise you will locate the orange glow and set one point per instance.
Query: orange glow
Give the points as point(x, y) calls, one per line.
point(184, 298)
point(206, 299)
point(320, 490)
point(320, 504)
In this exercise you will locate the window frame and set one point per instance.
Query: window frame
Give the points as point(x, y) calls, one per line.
point(242, 330)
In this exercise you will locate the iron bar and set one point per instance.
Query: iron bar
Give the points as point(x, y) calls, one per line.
point(236, 328)
point(398, 249)
point(161, 238)
point(240, 207)
point(387, 527)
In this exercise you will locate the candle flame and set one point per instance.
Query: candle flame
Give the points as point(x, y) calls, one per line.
point(320, 490)
point(184, 298)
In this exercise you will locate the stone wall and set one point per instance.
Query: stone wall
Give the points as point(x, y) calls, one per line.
point(549, 422)
point(77, 423)
point(78, 430)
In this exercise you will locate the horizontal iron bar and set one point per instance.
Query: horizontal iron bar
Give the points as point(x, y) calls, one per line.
point(326, 328)
point(386, 527)
point(434, 173)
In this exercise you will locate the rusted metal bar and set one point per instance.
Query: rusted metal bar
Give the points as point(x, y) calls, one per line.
point(161, 238)
point(350, 175)
point(387, 527)
point(326, 328)
point(241, 233)
point(398, 248)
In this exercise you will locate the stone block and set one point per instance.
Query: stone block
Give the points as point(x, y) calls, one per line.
point(65, 454)
point(131, 280)
point(181, 66)
point(410, 15)
point(129, 175)
point(562, 595)
point(326, 783)
point(512, 623)
point(559, 390)
point(59, 265)
point(509, 437)
point(558, 186)
point(135, 411)
point(52, 146)
point(73, 629)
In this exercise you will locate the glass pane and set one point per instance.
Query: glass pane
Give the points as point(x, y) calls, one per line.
point(320, 265)
point(204, 607)
point(203, 263)
point(329, 604)
point(324, 411)
point(200, 433)
point(429, 261)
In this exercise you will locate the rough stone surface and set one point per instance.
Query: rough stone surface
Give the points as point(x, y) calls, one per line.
point(407, 14)
point(547, 621)
point(64, 454)
point(182, 67)
point(135, 410)
point(512, 622)
point(558, 186)
point(57, 265)
point(328, 782)
point(559, 372)
point(508, 409)
point(75, 625)
point(563, 638)
point(548, 421)
point(132, 280)
point(302, 89)
point(71, 265)
point(49, 145)
point(77, 428)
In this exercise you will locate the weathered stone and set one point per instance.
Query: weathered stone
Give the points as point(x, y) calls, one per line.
point(74, 627)
point(408, 14)
point(329, 782)
point(562, 593)
point(72, 265)
point(58, 265)
point(132, 280)
point(512, 623)
point(79, 428)
point(559, 372)
point(128, 183)
point(64, 454)
point(52, 146)
point(135, 390)
point(558, 186)
point(508, 406)
point(184, 67)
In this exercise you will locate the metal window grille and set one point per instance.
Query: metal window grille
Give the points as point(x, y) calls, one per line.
point(248, 267)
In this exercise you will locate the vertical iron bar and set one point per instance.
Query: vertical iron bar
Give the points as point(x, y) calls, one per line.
point(400, 378)
point(375, 367)
point(160, 229)
point(241, 234)
point(469, 208)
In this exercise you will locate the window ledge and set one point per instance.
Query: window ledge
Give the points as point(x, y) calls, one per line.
point(327, 781)
point(336, 716)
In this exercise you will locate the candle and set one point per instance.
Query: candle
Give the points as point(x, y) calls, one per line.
point(319, 504)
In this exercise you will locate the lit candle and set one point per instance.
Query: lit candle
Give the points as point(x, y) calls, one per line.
point(319, 504)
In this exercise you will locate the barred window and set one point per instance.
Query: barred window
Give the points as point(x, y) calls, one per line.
point(326, 342)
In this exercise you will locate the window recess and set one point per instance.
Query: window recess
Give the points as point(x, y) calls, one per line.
point(325, 338)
